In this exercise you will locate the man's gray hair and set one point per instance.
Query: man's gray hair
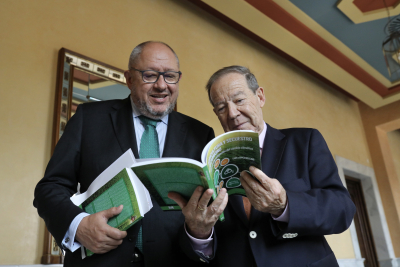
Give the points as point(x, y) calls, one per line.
point(138, 50)
point(250, 78)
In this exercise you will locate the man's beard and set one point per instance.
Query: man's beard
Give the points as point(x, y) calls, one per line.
point(148, 111)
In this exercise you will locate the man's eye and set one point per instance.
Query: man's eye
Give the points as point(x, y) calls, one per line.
point(240, 101)
point(169, 75)
point(150, 75)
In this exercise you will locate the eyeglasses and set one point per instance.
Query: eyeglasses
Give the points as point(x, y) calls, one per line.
point(151, 76)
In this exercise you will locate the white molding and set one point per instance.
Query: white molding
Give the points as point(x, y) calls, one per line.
point(351, 262)
point(389, 262)
point(379, 227)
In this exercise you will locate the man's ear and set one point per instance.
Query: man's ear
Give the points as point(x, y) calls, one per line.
point(128, 78)
point(260, 96)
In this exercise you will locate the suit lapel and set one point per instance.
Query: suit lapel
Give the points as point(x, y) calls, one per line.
point(274, 145)
point(176, 134)
point(122, 121)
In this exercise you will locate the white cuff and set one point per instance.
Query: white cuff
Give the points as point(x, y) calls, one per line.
point(284, 216)
point(202, 245)
point(69, 238)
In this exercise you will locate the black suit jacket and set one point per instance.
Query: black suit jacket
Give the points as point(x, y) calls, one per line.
point(318, 205)
point(93, 139)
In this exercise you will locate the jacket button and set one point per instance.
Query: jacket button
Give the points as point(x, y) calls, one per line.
point(137, 256)
point(253, 234)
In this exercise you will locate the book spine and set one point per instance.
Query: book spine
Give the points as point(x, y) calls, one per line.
point(211, 185)
point(210, 181)
point(171, 207)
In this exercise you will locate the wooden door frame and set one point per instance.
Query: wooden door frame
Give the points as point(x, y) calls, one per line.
point(362, 224)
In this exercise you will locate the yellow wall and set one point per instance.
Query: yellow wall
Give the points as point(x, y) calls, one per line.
point(32, 32)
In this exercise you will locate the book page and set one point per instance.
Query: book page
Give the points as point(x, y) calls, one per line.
point(125, 161)
point(164, 175)
point(142, 194)
point(228, 155)
point(117, 191)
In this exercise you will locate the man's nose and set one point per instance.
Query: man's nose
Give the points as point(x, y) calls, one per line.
point(233, 112)
point(160, 84)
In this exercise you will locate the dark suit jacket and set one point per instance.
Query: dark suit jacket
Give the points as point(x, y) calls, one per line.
point(318, 205)
point(93, 139)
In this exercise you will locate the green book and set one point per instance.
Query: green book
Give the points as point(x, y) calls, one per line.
point(223, 159)
point(115, 186)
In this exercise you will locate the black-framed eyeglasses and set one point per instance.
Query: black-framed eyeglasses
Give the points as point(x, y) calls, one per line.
point(151, 76)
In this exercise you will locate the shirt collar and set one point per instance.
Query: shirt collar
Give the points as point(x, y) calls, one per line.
point(261, 137)
point(136, 113)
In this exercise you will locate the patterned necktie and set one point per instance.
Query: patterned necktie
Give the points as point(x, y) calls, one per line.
point(247, 206)
point(149, 148)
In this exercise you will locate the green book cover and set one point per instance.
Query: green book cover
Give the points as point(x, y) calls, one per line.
point(117, 191)
point(229, 155)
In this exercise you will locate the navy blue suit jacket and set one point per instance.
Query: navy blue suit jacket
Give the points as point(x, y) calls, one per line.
point(318, 205)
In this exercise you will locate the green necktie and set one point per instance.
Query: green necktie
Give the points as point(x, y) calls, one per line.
point(149, 148)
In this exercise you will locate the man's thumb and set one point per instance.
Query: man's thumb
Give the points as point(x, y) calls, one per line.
point(113, 211)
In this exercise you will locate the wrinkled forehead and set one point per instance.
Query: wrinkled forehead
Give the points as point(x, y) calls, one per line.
point(229, 87)
point(227, 96)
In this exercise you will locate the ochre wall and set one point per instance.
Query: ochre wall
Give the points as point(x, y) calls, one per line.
point(377, 123)
point(32, 32)
point(394, 143)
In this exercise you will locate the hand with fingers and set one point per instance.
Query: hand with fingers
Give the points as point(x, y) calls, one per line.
point(199, 217)
point(96, 235)
point(265, 194)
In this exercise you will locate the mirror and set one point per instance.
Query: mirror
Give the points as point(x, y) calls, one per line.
point(87, 87)
point(80, 79)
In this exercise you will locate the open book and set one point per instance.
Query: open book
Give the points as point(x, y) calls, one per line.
point(131, 181)
point(115, 186)
point(223, 159)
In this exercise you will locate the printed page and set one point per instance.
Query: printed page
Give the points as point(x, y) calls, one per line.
point(228, 155)
point(118, 191)
point(125, 161)
point(164, 175)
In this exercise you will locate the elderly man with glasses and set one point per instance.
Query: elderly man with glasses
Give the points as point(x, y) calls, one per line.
point(94, 138)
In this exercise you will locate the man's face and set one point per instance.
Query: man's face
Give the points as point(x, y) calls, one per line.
point(154, 100)
point(236, 106)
